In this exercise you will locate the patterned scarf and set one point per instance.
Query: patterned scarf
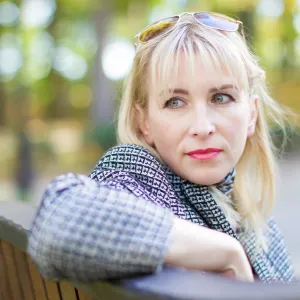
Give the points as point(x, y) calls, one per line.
point(140, 172)
point(226, 186)
point(187, 200)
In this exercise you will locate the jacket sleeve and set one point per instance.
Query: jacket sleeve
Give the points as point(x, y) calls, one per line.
point(278, 253)
point(85, 230)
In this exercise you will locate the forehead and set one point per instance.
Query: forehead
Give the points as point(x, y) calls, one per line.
point(192, 75)
point(203, 75)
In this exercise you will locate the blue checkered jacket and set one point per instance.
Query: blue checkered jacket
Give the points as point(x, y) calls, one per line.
point(117, 221)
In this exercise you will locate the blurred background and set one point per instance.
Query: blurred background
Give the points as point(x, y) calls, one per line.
point(62, 65)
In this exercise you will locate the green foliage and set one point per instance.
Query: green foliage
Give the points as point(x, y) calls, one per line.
point(288, 143)
point(122, 6)
point(104, 135)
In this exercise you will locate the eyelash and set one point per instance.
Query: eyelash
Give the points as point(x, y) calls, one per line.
point(172, 99)
point(224, 94)
point(178, 98)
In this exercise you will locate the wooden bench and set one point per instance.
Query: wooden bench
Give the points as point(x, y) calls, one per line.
point(19, 278)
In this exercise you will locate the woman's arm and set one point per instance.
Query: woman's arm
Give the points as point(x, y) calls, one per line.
point(200, 248)
point(86, 231)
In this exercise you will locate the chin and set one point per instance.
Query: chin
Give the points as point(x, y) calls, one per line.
point(207, 179)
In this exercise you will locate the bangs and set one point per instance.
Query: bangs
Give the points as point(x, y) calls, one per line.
point(189, 44)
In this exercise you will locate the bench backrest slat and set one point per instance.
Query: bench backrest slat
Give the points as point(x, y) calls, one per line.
point(83, 296)
point(67, 291)
point(11, 270)
point(20, 279)
point(37, 281)
point(24, 276)
point(4, 282)
point(52, 289)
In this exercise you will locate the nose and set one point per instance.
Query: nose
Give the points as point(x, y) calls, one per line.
point(202, 123)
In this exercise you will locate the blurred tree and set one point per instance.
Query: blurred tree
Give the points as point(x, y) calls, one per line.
point(104, 103)
point(288, 37)
point(2, 106)
point(24, 170)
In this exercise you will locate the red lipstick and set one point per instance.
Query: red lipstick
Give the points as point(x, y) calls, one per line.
point(205, 154)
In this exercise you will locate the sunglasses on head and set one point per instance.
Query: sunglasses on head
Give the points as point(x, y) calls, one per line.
point(207, 19)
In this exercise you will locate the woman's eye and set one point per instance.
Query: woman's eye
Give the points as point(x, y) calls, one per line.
point(174, 103)
point(222, 98)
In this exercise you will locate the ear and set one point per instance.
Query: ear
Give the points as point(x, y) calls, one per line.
point(143, 123)
point(253, 115)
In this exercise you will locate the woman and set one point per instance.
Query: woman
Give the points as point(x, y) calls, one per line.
point(194, 150)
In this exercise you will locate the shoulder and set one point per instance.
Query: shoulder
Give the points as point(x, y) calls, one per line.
point(135, 169)
point(130, 158)
point(273, 231)
point(278, 253)
point(275, 240)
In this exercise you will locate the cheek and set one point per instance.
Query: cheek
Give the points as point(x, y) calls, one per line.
point(167, 132)
point(237, 119)
point(164, 130)
point(237, 133)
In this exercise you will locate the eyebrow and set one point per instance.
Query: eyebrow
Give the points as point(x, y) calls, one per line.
point(223, 87)
point(180, 91)
point(212, 90)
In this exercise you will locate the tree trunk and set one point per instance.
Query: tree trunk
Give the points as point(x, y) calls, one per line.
point(103, 105)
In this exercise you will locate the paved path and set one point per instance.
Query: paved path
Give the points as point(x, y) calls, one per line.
point(287, 207)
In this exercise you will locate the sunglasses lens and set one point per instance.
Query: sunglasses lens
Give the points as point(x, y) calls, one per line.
point(157, 28)
point(217, 22)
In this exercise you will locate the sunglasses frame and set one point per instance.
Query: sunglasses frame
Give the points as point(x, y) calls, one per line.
point(240, 23)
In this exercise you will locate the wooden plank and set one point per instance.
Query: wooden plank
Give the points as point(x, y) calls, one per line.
point(12, 272)
point(37, 281)
point(67, 291)
point(82, 295)
point(4, 285)
point(24, 275)
point(52, 290)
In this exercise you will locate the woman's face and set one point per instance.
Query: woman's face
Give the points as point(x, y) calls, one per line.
point(200, 130)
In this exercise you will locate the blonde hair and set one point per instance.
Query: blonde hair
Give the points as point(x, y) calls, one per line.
point(254, 187)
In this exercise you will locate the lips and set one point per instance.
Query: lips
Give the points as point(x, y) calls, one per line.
point(204, 154)
point(204, 151)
